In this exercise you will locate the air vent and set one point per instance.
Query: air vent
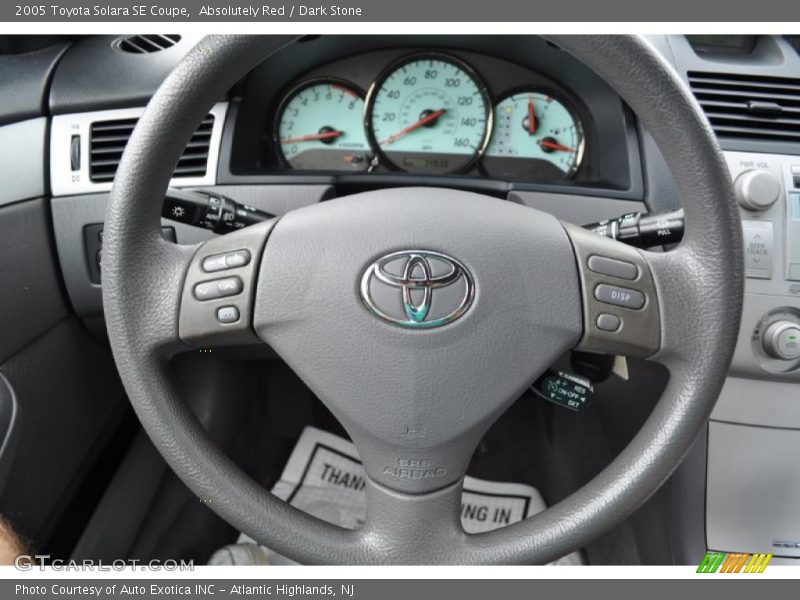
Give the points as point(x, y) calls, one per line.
point(108, 140)
point(146, 44)
point(750, 106)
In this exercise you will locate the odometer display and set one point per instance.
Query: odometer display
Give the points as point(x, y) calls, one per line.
point(429, 114)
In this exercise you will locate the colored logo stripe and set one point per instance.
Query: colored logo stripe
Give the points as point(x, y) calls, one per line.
point(733, 563)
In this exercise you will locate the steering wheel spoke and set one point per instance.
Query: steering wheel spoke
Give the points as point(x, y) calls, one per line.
point(620, 301)
point(219, 289)
point(397, 522)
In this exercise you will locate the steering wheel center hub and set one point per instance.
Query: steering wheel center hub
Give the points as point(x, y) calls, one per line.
point(414, 350)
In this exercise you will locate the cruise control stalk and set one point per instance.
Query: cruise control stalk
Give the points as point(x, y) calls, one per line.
point(210, 210)
point(642, 230)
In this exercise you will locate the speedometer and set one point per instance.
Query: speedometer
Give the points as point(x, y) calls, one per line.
point(428, 114)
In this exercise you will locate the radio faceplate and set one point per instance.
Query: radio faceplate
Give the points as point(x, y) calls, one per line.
point(768, 191)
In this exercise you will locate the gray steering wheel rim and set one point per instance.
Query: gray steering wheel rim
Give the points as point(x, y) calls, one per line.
point(705, 273)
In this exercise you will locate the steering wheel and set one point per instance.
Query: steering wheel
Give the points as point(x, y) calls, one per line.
point(418, 316)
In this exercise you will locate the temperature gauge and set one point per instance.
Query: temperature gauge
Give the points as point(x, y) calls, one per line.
point(536, 135)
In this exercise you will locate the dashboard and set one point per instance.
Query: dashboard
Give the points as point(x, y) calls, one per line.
point(429, 112)
point(474, 110)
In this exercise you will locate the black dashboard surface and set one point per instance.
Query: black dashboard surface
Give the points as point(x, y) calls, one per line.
point(610, 164)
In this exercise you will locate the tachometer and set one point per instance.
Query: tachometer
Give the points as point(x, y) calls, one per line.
point(429, 114)
point(536, 136)
point(320, 125)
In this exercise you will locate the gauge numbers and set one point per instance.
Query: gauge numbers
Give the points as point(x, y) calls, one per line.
point(320, 127)
point(429, 114)
point(534, 124)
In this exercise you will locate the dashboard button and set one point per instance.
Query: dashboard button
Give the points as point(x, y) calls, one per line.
point(75, 153)
point(757, 189)
point(227, 314)
point(758, 246)
point(619, 296)
point(219, 288)
point(608, 322)
point(788, 343)
point(782, 340)
point(613, 267)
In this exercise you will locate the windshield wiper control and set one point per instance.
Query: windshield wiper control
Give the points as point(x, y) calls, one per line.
point(210, 210)
point(641, 229)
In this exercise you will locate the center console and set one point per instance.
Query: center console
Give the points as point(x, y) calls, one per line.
point(753, 468)
point(751, 471)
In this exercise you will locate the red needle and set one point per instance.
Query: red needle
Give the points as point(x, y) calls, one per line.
point(344, 89)
point(531, 116)
point(555, 146)
point(424, 120)
point(311, 137)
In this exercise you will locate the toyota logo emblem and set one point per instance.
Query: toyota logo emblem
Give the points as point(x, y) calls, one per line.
point(417, 289)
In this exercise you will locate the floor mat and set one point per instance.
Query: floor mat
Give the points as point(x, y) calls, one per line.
point(324, 478)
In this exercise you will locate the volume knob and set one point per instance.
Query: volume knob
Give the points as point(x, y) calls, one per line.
point(782, 340)
point(757, 189)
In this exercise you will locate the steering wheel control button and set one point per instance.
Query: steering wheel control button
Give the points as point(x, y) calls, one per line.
point(219, 288)
point(758, 246)
point(782, 340)
point(613, 268)
point(607, 322)
point(214, 263)
point(229, 260)
point(619, 296)
point(237, 259)
point(227, 314)
point(757, 189)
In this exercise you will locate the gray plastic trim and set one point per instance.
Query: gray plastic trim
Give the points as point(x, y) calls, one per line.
point(759, 402)
point(687, 489)
point(31, 300)
point(72, 213)
point(64, 181)
point(752, 493)
point(22, 155)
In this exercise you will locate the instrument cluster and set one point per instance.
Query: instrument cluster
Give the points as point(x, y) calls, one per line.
point(429, 113)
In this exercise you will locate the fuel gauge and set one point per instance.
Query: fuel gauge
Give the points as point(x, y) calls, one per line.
point(536, 136)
